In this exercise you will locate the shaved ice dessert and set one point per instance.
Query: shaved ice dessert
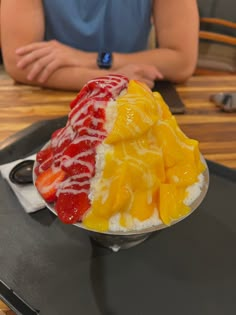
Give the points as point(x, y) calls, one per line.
point(121, 163)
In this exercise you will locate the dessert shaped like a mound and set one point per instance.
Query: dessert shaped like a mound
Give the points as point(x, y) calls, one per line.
point(121, 162)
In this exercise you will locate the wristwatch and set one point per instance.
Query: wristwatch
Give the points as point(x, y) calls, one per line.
point(104, 60)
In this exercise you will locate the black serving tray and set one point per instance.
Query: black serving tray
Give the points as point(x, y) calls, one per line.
point(189, 268)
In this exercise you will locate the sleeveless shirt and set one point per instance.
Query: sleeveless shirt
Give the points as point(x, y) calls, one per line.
point(96, 25)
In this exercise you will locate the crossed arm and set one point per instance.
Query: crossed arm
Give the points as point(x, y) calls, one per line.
point(30, 60)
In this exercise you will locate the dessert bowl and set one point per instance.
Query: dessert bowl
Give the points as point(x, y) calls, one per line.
point(123, 240)
point(121, 168)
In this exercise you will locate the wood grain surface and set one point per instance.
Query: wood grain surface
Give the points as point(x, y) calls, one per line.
point(4, 309)
point(22, 105)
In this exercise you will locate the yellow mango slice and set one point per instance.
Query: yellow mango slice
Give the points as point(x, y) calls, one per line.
point(190, 154)
point(93, 222)
point(136, 113)
point(167, 140)
point(182, 174)
point(132, 121)
point(142, 207)
point(116, 195)
point(164, 108)
point(138, 88)
point(126, 220)
point(170, 207)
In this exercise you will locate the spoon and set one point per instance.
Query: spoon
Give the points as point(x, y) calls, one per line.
point(21, 173)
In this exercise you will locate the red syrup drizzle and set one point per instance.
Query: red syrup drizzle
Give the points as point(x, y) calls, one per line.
point(73, 148)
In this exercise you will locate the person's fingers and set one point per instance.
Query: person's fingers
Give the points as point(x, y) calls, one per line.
point(48, 70)
point(153, 73)
point(31, 47)
point(150, 84)
point(38, 66)
point(148, 75)
point(32, 57)
point(142, 72)
point(158, 75)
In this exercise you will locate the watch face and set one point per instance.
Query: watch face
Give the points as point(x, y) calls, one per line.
point(105, 60)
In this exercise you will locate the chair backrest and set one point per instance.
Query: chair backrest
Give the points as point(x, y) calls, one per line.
point(217, 50)
point(217, 37)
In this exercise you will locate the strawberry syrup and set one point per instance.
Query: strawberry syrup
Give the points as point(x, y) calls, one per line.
point(73, 148)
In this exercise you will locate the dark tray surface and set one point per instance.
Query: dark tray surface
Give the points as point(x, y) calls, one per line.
point(186, 269)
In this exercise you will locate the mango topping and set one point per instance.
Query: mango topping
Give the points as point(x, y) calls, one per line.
point(148, 164)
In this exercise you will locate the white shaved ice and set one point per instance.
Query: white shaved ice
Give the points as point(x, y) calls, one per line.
point(194, 191)
point(133, 224)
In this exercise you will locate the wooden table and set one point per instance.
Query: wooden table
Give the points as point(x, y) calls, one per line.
point(22, 105)
point(4, 310)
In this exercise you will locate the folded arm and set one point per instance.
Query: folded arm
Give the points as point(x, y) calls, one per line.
point(23, 28)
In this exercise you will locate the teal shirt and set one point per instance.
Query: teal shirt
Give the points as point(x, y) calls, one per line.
point(96, 25)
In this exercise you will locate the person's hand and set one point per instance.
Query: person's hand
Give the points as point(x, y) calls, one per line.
point(141, 72)
point(46, 57)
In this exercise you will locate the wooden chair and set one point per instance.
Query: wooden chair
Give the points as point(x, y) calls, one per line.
point(217, 52)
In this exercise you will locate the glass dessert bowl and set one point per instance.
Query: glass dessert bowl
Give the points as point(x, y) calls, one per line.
point(121, 168)
point(123, 240)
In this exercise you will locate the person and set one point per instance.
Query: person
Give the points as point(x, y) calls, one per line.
point(56, 44)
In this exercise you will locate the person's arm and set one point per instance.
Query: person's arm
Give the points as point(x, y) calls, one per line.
point(23, 24)
point(177, 30)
